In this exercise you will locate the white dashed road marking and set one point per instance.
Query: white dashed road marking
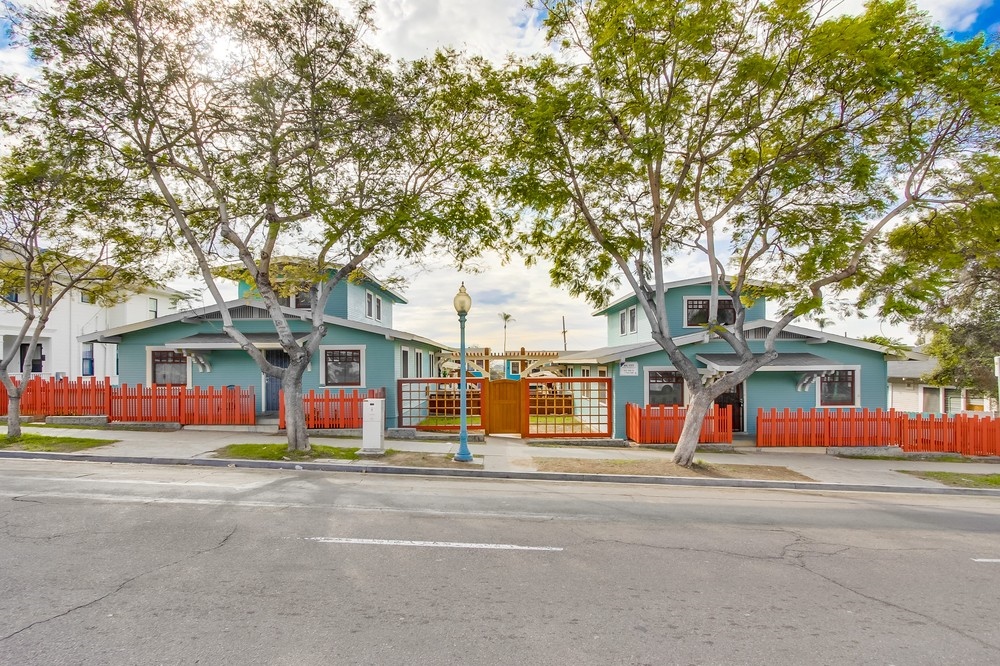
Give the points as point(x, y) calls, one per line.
point(430, 544)
point(985, 560)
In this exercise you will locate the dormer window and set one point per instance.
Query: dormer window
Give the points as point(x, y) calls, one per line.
point(627, 320)
point(299, 301)
point(373, 306)
point(696, 311)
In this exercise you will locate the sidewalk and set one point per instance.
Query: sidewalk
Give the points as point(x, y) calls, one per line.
point(508, 457)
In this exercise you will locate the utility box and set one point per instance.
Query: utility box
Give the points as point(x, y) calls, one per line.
point(373, 428)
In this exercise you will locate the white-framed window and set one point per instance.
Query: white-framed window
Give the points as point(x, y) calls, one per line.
point(37, 359)
point(585, 371)
point(627, 320)
point(404, 362)
point(839, 388)
point(343, 365)
point(515, 367)
point(665, 387)
point(87, 360)
point(167, 366)
point(602, 371)
point(86, 296)
point(153, 307)
point(418, 356)
point(373, 306)
point(696, 311)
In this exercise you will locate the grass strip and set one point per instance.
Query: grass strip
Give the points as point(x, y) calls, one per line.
point(33, 442)
point(957, 479)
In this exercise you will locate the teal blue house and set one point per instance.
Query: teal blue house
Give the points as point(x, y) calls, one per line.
point(814, 369)
point(361, 349)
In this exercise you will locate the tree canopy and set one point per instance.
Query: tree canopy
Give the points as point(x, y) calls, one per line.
point(268, 130)
point(777, 141)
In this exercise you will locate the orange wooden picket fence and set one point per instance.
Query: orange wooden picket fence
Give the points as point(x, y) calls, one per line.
point(914, 433)
point(157, 404)
point(662, 424)
point(331, 411)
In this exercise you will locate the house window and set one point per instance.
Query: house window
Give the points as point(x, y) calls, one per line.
point(169, 367)
point(37, 359)
point(87, 360)
point(369, 304)
point(342, 367)
point(584, 372)
point(154, 308)
point(515, 367)
point(405, 363)
point(602, 372)
point(378, 308)
point(697, 311)
point(627, 321)
point(12, 297)
point(419, 355)
point(86, 296)
point(666, 387)
point(837, 389)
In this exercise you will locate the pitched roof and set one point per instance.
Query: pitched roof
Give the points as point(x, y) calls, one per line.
point(790, 361)
point(623, 352)
point(113, 335)
point(667, 286)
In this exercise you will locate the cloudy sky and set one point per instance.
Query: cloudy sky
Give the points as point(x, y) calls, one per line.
point(492, 28)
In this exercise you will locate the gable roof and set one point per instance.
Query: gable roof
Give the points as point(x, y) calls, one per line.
point(113, 335)
point(623, 352)
point(367, 275)
point(667, 286)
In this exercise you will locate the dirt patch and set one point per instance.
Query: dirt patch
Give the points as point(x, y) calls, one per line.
point(667, 468)
point(414, 459)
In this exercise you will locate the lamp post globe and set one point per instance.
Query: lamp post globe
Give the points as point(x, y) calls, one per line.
point(463, 303)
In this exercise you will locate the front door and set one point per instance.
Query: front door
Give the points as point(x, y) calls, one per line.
point(272, 385)
point(734, 399)
point(504, 410)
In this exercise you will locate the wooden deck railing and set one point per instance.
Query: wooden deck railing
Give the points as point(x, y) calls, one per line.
point(662, 424)
point(331, 410)
point(914, 433)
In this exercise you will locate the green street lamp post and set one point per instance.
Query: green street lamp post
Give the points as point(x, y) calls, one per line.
point(463, 303)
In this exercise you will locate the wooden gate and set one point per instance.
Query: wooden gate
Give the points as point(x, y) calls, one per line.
point(505, 405)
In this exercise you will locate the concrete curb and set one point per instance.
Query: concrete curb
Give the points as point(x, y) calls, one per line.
point(366, 468)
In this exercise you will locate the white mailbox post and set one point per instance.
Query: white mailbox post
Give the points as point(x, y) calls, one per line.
point(373, 428)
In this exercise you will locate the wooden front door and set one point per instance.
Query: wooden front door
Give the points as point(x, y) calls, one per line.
point(734, 399)
point(505, 404)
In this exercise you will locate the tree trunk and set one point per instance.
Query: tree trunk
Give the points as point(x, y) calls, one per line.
point(295, 415)
point(13, 417)
point(700, 404)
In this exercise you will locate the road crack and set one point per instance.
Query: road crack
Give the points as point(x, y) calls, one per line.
point(122, 586)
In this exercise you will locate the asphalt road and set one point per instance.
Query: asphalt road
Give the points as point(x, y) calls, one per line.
point(120, 564)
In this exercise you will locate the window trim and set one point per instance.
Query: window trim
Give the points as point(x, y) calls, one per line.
point(857, 390)
point(661, 368)
point(628, 320)
point(418, 359)
point(149, 364)
point(404, 363)
point(322, 365)
point(153, 307)
point(83, 359)
point(87, 296)
point(708, 297)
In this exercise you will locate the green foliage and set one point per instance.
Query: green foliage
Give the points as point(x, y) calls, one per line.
point(759, 135)
point(893, 346)
point(965, 348)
